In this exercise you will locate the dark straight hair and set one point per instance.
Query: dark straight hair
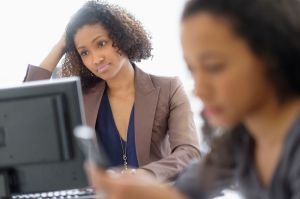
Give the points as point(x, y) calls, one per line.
point(272, 30)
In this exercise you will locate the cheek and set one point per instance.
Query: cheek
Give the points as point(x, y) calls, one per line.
point(89, 66)
point(231, 94)
point(121, 60)
point(86, 62)
point(239, 96)
point(228, 90)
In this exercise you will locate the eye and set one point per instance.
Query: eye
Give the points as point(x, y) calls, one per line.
point(83, 53)
point(101, 44)
point(214, 68)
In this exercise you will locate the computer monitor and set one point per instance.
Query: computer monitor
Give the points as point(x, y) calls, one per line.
point(38, 151)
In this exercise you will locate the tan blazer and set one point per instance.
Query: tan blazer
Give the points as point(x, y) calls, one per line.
point(165, 133)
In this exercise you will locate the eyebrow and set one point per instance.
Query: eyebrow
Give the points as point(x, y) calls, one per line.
point(96, 38)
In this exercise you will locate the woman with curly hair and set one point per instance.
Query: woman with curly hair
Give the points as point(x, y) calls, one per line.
point(142, 121)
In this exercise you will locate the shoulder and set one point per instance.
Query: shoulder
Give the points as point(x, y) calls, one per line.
point(159, 81)
point(168, 85)
point(171, 88)
point(291, 157)
point(165, 82)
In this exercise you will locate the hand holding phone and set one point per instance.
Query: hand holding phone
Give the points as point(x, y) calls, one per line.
point(94, 153)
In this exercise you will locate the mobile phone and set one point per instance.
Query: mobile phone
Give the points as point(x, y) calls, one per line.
point(92, 151)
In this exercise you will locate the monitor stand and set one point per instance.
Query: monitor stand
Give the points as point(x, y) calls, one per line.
point(6, 180)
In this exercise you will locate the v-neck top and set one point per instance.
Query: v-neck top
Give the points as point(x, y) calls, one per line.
point(285, 181)
point(110, 139)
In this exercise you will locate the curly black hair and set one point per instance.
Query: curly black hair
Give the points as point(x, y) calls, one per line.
point(127, 34)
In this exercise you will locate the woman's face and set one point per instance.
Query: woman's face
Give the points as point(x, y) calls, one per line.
point(229, 79)
point(97, 53)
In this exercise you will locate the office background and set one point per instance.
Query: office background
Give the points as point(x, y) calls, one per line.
point(30, 28)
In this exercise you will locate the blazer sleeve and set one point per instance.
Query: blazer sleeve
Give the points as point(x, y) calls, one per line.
point(36, 73)
point(182, 136)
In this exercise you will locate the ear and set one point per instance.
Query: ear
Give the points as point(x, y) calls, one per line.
point(119, 52)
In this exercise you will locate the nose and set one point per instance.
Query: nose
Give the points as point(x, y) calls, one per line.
point(97, 59)
point(202, 88)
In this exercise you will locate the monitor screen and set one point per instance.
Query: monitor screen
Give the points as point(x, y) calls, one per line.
point(38, 151)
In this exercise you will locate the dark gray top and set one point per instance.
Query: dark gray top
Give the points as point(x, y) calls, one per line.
point(205, 180)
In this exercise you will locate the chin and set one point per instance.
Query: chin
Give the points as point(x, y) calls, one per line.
point(218, 122)
point(106, 77)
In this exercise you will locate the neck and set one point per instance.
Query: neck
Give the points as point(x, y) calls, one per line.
point(271, 122)
point(123, 82)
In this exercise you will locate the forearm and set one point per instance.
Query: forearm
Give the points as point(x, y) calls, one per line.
point(170, 166)
point(45, 69)
point(51, 60)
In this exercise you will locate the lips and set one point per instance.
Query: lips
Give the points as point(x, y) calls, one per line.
point(212, 111)
point(103, 68)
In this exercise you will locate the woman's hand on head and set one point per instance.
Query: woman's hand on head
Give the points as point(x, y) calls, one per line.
point(61, 44)
point(128, 186)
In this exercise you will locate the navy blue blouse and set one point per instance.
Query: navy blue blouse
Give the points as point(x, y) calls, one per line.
point(109, 137)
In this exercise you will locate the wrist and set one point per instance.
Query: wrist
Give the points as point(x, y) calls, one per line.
point(59, 48)
point(145, 172)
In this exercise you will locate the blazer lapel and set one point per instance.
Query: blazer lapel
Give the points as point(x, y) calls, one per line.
point(146, 97)
point(92, 99)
